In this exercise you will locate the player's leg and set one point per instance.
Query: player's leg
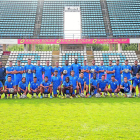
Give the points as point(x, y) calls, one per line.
point(64, 91)
point(5, 92)
point(71, 92)
point(1, 92)
point(41, 91)
point(87, 90)
point(110, 92)
point(38, 91)
point(31, 92)
point(116, 91)
point(59, 89)
point(123, 91)
point(134, 91)
point(50, 91)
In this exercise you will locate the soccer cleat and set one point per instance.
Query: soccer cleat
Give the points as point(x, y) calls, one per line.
point(32, 96)
point(41, 97)
point(13, 96)
point(63, 97)
point(86, 96)
point(120, 93)
point(51, 97)
point(71, 97)
point(37, 96)
point(76, 96)
point(90, 96)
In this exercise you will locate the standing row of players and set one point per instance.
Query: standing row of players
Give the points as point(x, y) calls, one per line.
point(99, 71)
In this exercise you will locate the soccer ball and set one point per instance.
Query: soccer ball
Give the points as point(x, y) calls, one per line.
point(46, 95)
point(82, 95)
point(23, 96)
point(98, 95)
point(67, 96)
point(29, 71)
point(126, 70)
point(65, 72)
point(92, 70)
point(11, 90)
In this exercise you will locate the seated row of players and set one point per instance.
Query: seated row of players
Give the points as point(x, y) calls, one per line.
point(72, 83)
point(48, 71)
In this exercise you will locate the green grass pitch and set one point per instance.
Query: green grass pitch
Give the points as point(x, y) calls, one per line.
point(70, 119)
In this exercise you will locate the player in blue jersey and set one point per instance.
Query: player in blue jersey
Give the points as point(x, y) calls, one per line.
point(76, 67)
point(2, 73)
point(93, 85)
point(126, 69)
point(34, 87)
point(74, 80)
point(95, 68)
point(29, 69)
point(82, 84)
point(67, 88)
point(9, 87)
point(48, 70)
point(1, 89)
point(46, 88)
point(136, 82)
point(56, 82)
point(39, 71)
point(103, 85)
point(126, 87)
point(23, 88)
point(114, 86)
point(59, 69)
point(101, 69)
point(86, 70)
point(66, 70)
point(135, 68)
point(118, 71)
point(10, 70)
point(110, 70)
point(18, 73)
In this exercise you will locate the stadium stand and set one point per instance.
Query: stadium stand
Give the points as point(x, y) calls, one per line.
point(17, 18)
point(124, 17)
point(33, 55)
point(53, 20)
point(114, 55)
point(71, 55)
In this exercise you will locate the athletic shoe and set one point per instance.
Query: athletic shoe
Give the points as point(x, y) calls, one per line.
point(50, 96)
point(41, 96)
point(71, 97)
point(37, 96)
point(86, 96)
point(63, 97)
point(120, 93)
point(90, 96)
point(76, 96)
point(5, 96)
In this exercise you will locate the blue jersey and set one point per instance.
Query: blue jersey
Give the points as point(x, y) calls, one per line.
point(113, 85)
point(48, 71)
point(9, 84)
point(76, 68)
point(34, 85)
point(29, 67)
point(85, 73)
point(82, 80)
point(110, 68)
point(59, 69)
point(46, 84)
point(95, 68)
point(68, 68)
point(67, 84)
point(56, 81)
point(38, 71)
point(136, 81)
point(102, 84)
point(19, 75)
point(101, 73)
point(1, 84)
point(94, 82)
point(117, 69)
point(126, 74)
point(23, 85)
point(9, 69)
point(2, 73)
point(74, 80)
point(135, 70)
point(126, 85)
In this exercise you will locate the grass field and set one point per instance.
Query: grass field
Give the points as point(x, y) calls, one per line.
point(72, 119)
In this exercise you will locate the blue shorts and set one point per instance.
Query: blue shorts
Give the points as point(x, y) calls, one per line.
point(46, 91)
point(39, 80)
point(118, 79)
point(102, 89)
point(18, 80)
point(29, 79)
point(55, 90)
point(126, 90)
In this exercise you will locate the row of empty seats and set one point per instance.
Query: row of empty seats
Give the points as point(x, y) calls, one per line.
point(114, 55)
point(71, 56)
point(33, 55)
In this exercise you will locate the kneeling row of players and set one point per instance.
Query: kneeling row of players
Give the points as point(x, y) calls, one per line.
point(71, 84)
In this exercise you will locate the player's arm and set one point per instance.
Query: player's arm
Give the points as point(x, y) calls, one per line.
point(8, 72)
point(20, 89)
